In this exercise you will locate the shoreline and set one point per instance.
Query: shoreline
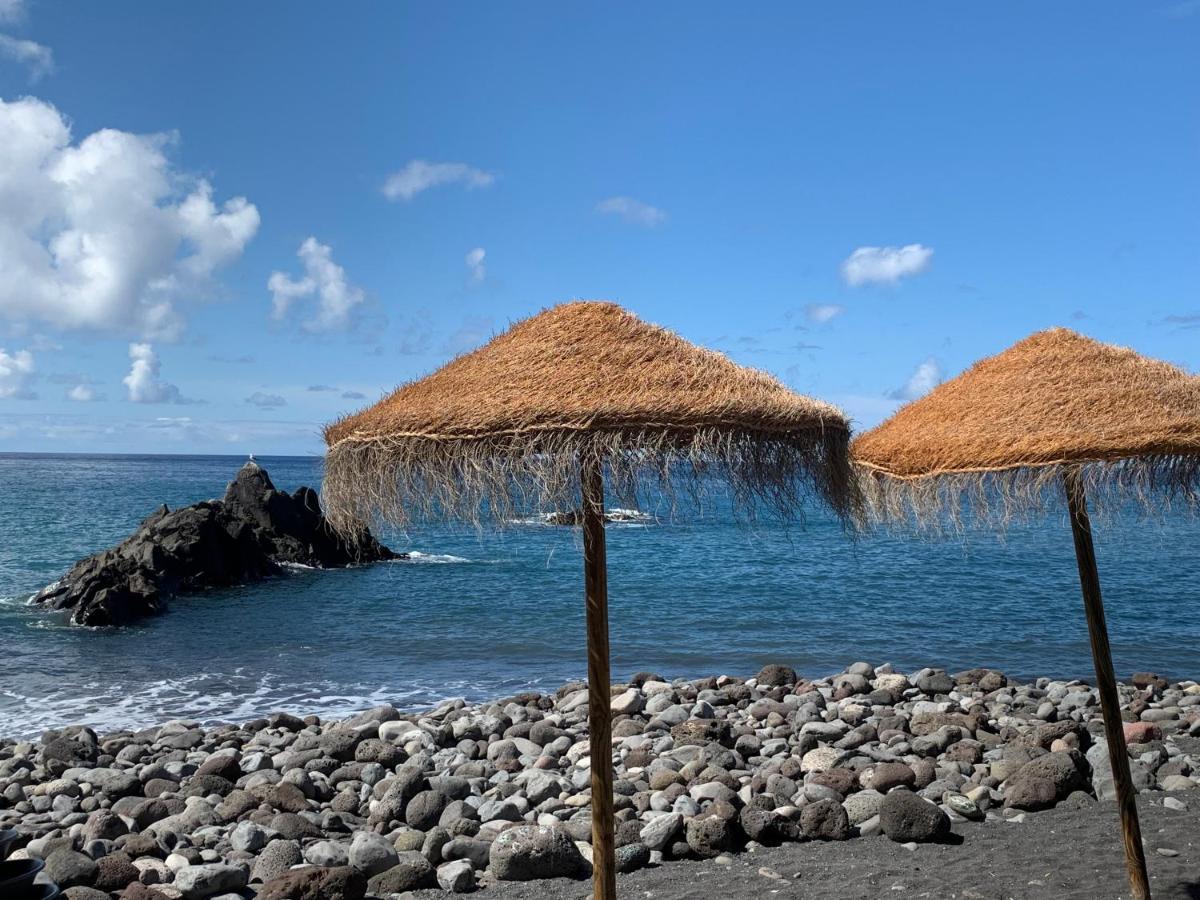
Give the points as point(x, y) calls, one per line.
point(461, 795)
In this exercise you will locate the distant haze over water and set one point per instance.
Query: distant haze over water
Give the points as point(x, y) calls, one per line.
point(487, 614)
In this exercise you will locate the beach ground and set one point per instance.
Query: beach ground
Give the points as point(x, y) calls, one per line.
point(1059, 853)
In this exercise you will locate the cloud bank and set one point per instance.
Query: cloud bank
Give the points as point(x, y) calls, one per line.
point(95, 234)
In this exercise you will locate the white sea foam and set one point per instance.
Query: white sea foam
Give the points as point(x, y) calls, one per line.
point(212, 699)
point(433, 558)
point(300, 567)
point(617, 515)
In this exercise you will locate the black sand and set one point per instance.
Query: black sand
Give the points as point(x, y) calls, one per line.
point(1060, 853)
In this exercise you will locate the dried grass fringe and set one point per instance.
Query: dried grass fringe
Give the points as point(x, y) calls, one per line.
point(1152, 485)
point(505, 477)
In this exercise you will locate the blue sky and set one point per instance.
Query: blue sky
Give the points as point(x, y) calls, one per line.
point(224, 224)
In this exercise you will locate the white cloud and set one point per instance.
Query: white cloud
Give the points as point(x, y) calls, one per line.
point(924, 379)
point(16, 372)
point(266, 401)
point(37, 57)
point(12, 10)
point(885, 265)
point(97, 234)
point(633, 211)
point(144, 380)
point(353, 395)
point(823, 312)
point(475, 265)
point(420, 175)
point(82, 393)
point(324, 281)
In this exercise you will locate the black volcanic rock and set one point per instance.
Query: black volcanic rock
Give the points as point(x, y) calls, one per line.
point(217, 543)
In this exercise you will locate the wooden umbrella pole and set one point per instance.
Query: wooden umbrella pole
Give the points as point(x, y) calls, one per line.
point(1106, 682)
point(595, 574)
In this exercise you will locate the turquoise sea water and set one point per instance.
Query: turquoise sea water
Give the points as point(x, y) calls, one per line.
point(482, 615)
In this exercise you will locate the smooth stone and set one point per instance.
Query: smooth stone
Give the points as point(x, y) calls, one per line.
point(457, 877)
point(198, 882)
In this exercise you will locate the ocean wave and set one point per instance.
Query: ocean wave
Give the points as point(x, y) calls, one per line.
point(621, 515)
point(238, 696)
point(416, 556)
point(616, 515)
point(299, 567)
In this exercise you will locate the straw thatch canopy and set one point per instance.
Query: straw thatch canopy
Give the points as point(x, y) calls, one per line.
point(503, 429)
point(1006, 427)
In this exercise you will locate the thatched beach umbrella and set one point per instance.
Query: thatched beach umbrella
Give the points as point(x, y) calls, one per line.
point(1057, 411)
point(537, 417)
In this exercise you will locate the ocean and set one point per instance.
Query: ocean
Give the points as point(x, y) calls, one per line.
point(486, 614)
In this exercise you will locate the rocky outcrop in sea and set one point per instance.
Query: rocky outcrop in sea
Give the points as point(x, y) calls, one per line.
point(463, 796)
point(249, 534)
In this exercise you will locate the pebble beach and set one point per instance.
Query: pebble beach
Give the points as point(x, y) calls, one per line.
point(834, 787)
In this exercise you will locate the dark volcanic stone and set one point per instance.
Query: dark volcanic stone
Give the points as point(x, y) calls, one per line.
point(709, 836)
point(203, 785)
point(79, 892)
point(543, 733)
point(775, 675)
point(1066, 771)
point(316, 883)
point(631, 857)
point(286, 721)
point(275, 860)
point(825, 820)
point(293, 827)
point(222, 764)
point(114, 872)
point(382, 752)
point(215, 543)
point(74, 746)
point(339, 743)
point(1031, 794)
point(156, 786)
point(424, 810)
point(530, 852)
point(237, 803)
point(104, 825)
point(888, 775)
point(412, 872)
point(138, 891)
point(700, 732)
point(67, 868)
point(844, 781)
point(906, 817)
point(143, 844)
point(759, 824)
point(286, 797)
point(1149, 680)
